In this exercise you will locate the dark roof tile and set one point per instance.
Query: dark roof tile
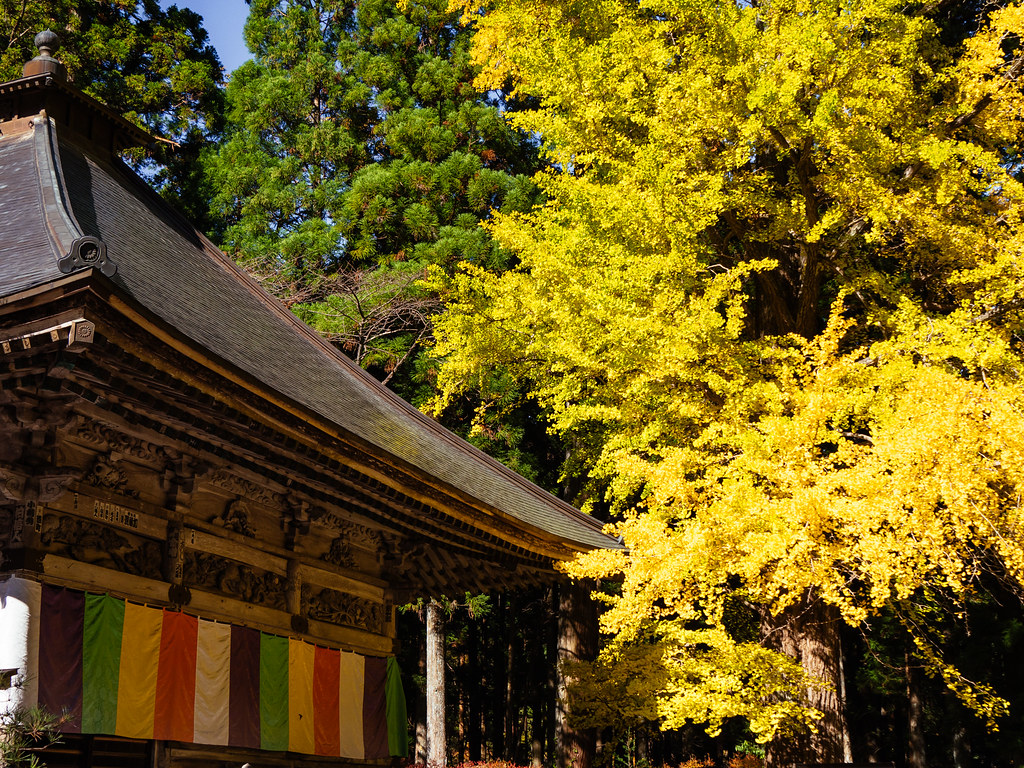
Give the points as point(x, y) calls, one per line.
point(169, 268)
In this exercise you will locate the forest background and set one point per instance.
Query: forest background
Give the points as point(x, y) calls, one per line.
point(743, 279)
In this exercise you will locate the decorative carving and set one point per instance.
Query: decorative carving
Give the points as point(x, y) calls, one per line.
point(336, 607)
point(402, 560)
point(229, 577)
point(99, 544)
point(246, 488)
point(52, 487)
point(87, 252)
point(106, 474)
point(339, 554)
point(104, 436)
point(356, 535)
point(81, 335)
point(235, 517)
point(12, 484)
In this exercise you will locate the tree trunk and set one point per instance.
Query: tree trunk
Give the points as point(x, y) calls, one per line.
point(496, 664)
point(809, 633)
point(511, 721)
point(960, 746)
point(577, 640)
point(915, 715)
point(437, 747)
point(420, 753)
point(551, 670)
point(476, 723)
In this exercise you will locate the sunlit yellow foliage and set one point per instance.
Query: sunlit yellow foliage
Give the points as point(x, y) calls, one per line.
point(777, 291)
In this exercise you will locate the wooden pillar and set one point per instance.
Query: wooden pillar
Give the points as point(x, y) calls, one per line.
point(437, 747)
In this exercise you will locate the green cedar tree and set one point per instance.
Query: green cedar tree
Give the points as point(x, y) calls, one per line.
point(358, 153)
point(151, 65)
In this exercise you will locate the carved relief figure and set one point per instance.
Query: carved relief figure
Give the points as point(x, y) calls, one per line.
point(99, 544)
point(106, 474)
point(340, 554)
point(235, 517)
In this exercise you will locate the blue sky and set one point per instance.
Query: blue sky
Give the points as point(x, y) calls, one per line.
point(223, 20)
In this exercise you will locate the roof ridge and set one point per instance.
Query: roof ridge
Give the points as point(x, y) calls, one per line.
point(372, 385)
point(180, 278)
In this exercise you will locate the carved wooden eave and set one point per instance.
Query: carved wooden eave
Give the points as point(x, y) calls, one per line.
point(126, 383)
point(142, 373)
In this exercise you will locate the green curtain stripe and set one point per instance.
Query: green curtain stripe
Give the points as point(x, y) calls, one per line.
point(273, 692)
point(101, 662)
point(398, 733)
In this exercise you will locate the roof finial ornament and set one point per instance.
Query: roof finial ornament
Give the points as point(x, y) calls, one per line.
point(47, 42)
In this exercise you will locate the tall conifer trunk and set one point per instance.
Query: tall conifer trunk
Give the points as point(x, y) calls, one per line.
point(437, 747)
point(420, 731)
point(497, 663)
point(474, 684)
point(577, 640)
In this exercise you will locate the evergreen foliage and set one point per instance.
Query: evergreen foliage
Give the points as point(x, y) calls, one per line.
point(25, 733)
point(153, 66)
point(359, 151)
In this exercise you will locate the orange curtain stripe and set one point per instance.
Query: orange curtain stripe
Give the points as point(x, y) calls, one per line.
point(326, 689)
point(176, 678)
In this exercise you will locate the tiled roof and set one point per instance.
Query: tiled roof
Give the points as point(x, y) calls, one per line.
point(170, 269)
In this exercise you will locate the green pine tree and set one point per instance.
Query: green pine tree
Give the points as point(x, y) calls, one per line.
point(151, 65)
point(359, 153)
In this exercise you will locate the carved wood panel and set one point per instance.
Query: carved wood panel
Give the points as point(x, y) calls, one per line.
point(99, 544)
point(234, 579)
point(334, 607)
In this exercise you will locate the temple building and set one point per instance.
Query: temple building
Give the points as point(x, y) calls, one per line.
point(208, 513)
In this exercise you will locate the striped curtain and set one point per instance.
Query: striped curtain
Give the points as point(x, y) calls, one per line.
point(149, 673)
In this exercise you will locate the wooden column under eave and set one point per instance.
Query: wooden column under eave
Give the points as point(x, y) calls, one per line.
point(437, 747)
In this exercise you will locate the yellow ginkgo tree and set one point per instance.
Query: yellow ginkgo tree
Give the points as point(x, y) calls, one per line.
point(776, 291)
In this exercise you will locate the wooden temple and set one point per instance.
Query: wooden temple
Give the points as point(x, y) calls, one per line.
point(207, 513)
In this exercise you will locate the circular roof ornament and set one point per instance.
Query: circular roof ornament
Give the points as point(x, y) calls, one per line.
point(47, 42)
